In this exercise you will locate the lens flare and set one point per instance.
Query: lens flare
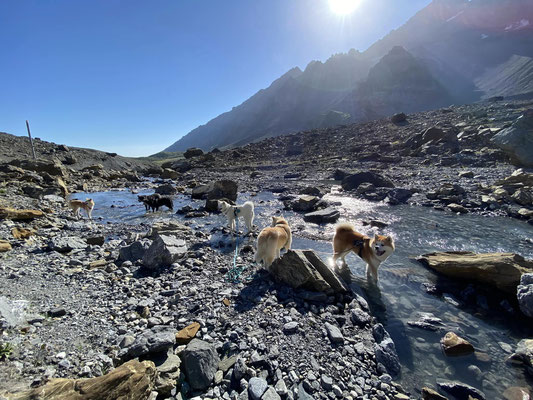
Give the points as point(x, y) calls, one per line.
point(343, 7)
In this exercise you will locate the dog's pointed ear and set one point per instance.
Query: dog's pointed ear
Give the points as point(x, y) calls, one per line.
point(376, 236)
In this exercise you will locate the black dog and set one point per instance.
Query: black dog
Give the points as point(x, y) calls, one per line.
point(154, 201)
point(144, 199)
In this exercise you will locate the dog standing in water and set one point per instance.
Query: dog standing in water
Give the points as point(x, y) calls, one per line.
point(77, 205)
point(371, 250)
point(154, 201)
point(271, 240)
point(246, 211)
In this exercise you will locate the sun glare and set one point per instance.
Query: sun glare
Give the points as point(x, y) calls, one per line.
point(343, 7)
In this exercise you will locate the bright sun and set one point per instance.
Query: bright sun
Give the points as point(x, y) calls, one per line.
point(343, 7)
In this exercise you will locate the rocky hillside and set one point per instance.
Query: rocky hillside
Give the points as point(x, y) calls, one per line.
point(472, 49)
point(60, 170)
point(457, 156)
point(18, 148)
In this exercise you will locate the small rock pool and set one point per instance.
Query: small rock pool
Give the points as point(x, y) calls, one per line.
point(407, 290)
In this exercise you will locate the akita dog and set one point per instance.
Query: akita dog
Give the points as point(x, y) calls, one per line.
point(246, 211)
point(77, 205)
point(372, 250)
point(271, 240)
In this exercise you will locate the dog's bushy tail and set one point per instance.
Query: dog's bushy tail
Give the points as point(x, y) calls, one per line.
point(344, 227)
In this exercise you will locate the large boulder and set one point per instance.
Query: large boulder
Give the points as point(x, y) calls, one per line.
point(224, 189)
point(19, 215)
point(163, 251)
point(66, 244)
point(325, 216)
point(523, 196)
point(450, 189)
point(461, 390)
point(517, 179)
point(517, 140)
point(434, 134)
point(169, 228)
point(219, 190)
point(134, 251)
point(169, 174)
point(525, 294)
point(133, 380)
point(398, 196)
point(156, 340)
point(305, 203)
point(304, 269)
point(500, 270)
point(200, 362)
point(166, 189)
point(200, 192)
point(397, 118)
point(193, 152)
point(53, 167)
point(353, 181)
point(182, 166)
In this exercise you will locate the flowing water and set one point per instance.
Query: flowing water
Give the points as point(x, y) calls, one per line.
point(401, 296)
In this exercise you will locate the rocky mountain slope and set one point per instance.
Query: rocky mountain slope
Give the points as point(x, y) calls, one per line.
point(473, 49)
point(513, 78)
point(18, 148)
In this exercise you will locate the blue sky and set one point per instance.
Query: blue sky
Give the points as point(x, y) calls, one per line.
point(134, 76)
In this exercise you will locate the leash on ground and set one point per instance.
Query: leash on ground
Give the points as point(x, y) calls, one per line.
point(234, 274)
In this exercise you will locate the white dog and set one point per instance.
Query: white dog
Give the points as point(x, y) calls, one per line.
point(245, 211)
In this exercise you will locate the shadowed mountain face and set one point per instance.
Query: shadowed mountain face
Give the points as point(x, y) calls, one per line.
point(399, 82)
point(452, 51)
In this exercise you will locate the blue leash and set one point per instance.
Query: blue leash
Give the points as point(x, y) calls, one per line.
point(234, 274)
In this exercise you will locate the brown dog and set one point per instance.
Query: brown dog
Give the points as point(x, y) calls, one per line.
point(271, 240)
point(372, 250)
point(87, 205)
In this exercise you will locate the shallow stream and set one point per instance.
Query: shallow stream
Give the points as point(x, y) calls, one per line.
point(482, 320)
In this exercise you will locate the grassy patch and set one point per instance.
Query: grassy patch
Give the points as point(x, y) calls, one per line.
point(5, 350)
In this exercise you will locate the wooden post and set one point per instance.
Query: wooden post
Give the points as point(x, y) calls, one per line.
point(31, 141)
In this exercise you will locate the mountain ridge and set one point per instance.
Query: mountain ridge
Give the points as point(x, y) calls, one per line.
point(464, 46)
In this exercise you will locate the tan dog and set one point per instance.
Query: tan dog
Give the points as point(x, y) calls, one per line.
point(77, 205)
point(271, 240)
point(372, 250)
